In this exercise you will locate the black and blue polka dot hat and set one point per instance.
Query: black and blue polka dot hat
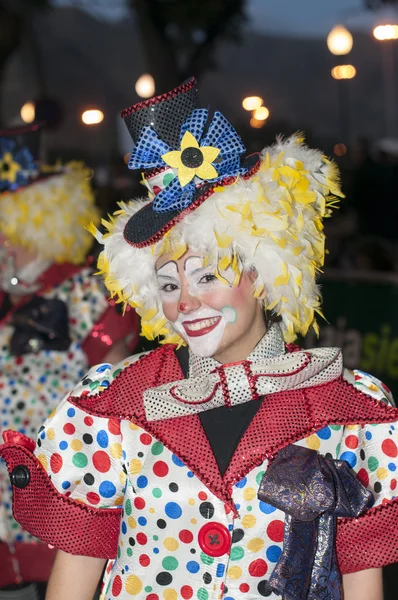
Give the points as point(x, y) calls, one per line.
point(184, 155)
point(19, 154)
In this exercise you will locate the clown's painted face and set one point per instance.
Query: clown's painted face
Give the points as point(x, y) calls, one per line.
point(212, 316)
point(19, 254)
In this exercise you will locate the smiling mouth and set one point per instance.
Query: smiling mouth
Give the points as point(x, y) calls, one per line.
point(200, 326)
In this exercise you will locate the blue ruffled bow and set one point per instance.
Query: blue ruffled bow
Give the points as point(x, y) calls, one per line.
point(149, 149)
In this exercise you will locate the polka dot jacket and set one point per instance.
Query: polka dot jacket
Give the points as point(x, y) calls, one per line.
point(31, 385)
point(179, 536)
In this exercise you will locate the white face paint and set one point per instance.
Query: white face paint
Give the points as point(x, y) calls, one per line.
point(200, 280)
point(19, 280)
point(217, 314)
point(169, 282)
point(203, 328)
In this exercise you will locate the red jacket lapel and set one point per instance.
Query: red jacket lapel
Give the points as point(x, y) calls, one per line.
point(282, 419)
point(184, 436)
point(286, 417)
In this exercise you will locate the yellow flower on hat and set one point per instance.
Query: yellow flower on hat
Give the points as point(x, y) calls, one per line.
point(9, 168)
point(192, 160)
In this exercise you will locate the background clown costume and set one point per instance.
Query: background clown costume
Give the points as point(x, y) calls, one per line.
point(165, 468)
point(55, 319)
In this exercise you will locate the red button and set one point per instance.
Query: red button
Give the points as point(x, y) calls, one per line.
point(214, 539)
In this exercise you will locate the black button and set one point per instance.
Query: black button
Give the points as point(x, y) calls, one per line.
point(20, 476)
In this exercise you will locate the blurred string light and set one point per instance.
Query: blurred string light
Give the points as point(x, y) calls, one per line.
point(340, 149)
point(261, 114)
point(386, 32)
point(92, 116)
point(28, 112)
point(339, 41)
point(145, 86)
point(344, 72)
point(43, 109)
point(252, 102)
point(257, 123)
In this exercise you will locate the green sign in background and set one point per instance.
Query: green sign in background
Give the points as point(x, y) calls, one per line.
point(362, 314)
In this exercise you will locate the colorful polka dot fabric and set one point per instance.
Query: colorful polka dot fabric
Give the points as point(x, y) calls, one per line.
point(33, 384)
point(177, 539)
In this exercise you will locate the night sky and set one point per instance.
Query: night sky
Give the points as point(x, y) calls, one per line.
point(309, 18)
point(313, 18)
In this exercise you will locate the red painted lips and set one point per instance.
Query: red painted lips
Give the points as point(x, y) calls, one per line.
point(200, 326)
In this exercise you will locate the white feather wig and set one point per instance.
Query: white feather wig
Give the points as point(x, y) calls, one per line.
point(49, 216)
point(271, 222)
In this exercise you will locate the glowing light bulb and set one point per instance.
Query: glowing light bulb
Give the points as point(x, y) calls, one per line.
point(145, 86)
point(261, 113)
point(28, 112)
point(92, 116)
point(339, 41)
point(257, 123)
point(344, 72)
point(386, 32)
point(252, 102)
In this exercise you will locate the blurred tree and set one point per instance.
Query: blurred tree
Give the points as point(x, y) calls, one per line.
point(16, 22)
point(179, 36)
point(110, 10)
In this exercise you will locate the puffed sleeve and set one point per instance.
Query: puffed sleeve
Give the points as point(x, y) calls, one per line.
point(372, 451)
point(68, 488)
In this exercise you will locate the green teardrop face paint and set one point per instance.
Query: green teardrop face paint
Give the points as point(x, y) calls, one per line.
point(229, 313)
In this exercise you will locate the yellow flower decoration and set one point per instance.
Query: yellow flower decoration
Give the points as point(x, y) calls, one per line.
point(192, 160)
point(9, 168)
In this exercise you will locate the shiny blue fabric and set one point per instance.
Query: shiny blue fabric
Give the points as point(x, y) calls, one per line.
point(312, 491)
point(147, 154)
point(24, 158)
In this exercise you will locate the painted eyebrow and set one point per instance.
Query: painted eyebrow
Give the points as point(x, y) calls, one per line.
point(200, 269)
point(168, 263)
point(189, 258)
point(166, 277)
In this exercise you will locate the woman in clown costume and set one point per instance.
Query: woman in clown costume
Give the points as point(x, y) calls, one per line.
point(55, 319)
point(227, 463)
